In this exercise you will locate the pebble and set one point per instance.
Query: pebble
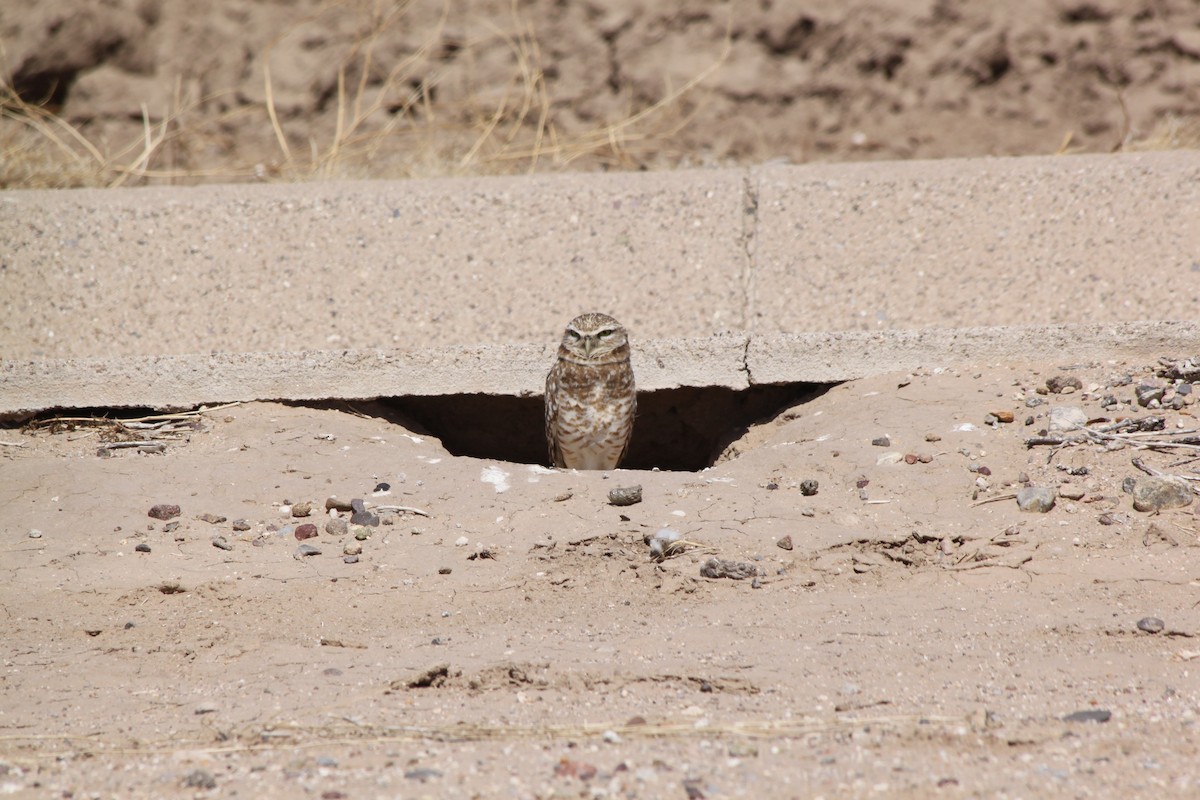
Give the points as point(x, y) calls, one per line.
point(382, 488)
point(422, 774)
point(364, 518)
point(170, 527)
point(785, 543)
point(721, 568)
point(307, 550)
point(337, 527)
point(890, 457)
point(333, 504)
point(462, 541)
point(1058, 383)
point(164, 511)
point(1150, 625)
point(305, 531)
point(1184, 388)
point(1071, 491)
point(357, 505)
point(882, 441)
point(221, 543)
point(932, 437)
point(241, 524)
point(625, 495)
point(1156, 494)
point(1003, 416)
point(1034, 402)
point(1149, 391)
point(200, 779)
point(142, 548)
point(1067, 418)
point(35, 534)
point(1090, 715)
point(211, 519)
point(361, 533)
point(350, 559)
point(352, 548)
point(1035, 499)
point(808, 487)
point(302, 509)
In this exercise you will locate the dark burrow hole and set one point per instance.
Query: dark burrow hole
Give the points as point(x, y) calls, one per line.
point(675, 429)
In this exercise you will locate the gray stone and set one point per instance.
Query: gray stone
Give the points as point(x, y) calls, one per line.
point(1150, 625)
point(337, 527)
point(221, 543)
point(625, 495)
point(1149, 391)
point(1067, 418)
point(1059, 383)
point(1036, 499)
point(1157, 494)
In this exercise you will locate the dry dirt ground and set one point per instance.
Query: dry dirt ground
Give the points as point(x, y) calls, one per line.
point(507, 634)
point(186, 90)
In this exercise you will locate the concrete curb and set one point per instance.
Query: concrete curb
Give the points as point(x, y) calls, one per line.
point(734, 361)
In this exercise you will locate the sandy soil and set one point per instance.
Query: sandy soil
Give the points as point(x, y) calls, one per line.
point(922, 637)
point(374, 89)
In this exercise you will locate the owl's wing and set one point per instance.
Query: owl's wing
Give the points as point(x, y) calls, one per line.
point(629, 438)
point(556, 457)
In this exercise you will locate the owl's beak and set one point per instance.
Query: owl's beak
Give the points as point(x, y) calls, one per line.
point(589, 344)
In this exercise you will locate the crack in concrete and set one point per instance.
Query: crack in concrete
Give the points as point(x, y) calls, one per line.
point(748, 238)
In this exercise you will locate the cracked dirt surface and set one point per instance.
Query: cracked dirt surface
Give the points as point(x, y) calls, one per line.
point(922, 637)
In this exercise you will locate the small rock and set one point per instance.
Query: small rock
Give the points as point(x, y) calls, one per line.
point(164, 511)
point(611, 737)
point(350, 559)
point(422, 774)
point(1035, 499)
point(808, 487)
point(301, 509)
point(200, 779)
point(444, 570)
point(305, 531)
point(357, 505)
point(1090, 715)
point(142, 548)
point(1034, 402)
point(1150, 625)
point(910, 458)
point(171, 527)
point(305, 550)
point(462, 541)
point(625, 495)
point(360, 533)
point(1071, 491)
point(1156, 494)
point(1149, 391)
point(785, 543)
point(221, 543)
point(1059, 383)
point(211, 519)
point(932, 437)
point(352, 548)
point(721, 568)
point(382, 488)
point(333, 504)
point(1184, 388)
point(1067, 418)
point(1003, 416)
point(882, 441)
point(337, 527)
point(364, 518)
point(1127, 485)
point(241, 524)
point(35, 534)
point(890, 457)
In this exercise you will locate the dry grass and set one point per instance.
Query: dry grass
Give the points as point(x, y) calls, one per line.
point(385, 122)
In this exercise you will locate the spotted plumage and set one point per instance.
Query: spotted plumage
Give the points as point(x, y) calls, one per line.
point(590, 396)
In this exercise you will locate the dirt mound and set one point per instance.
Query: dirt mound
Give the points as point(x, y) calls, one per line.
point(233, 89)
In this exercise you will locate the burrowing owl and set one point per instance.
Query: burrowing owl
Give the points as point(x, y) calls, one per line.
point(590, 397)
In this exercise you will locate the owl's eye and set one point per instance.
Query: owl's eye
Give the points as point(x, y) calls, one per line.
point(605, 334)
point(574, 335)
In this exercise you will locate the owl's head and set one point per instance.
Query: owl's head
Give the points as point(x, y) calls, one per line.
point(594, 339)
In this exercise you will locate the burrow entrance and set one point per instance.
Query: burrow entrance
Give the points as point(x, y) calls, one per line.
point(675, 429)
